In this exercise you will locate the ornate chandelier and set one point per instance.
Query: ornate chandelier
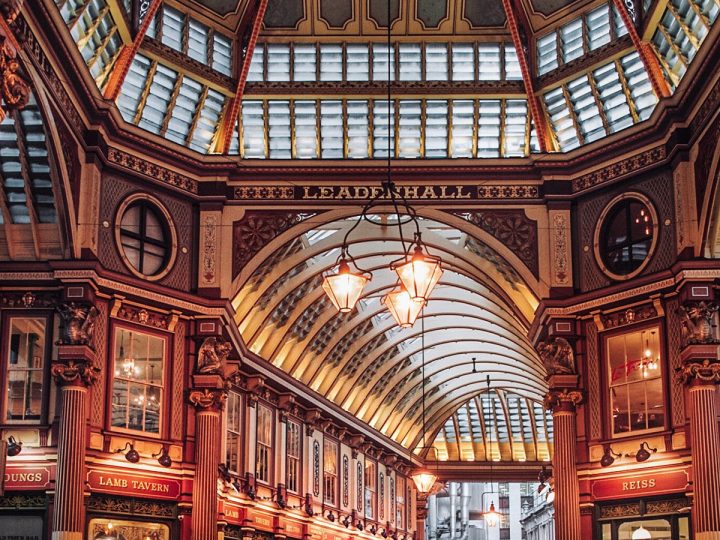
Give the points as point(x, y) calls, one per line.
point(417, 270)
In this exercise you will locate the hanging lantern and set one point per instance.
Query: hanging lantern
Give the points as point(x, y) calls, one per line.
point(424, 480)
point(420, 273)
point(641, 534)
point(403, 308)
point(345, 287)
point(491, 516)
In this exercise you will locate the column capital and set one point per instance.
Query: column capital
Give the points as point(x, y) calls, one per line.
point(563, 400)
point(207, 399)
point(75, 366)
point(700, 372)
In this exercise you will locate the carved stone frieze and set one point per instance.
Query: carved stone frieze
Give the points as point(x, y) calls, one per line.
point(557, 356)
point(28, 299)
point(255, 230)
point(75, 372)
point(76, 323)
point(696, 324)
point(14, 89)
point(628, 316)
point(563, 399)
point(146, 168)
point(511, 227)
point(143, 316)
point(121, 505)
point(212, 355)
point(620, 168)
point(208, 399)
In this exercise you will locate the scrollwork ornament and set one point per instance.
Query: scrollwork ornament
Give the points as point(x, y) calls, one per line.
point(14, 89)
point(705, 372)
point(208, 399)
point(563, 399)
point(75, 372)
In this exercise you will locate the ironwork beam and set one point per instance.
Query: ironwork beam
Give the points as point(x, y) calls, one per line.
point(541, 127)
point(646, 52)
point(231, 113)
point(128, 52)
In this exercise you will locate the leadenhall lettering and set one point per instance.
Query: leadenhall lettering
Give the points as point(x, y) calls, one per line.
point(371, 192)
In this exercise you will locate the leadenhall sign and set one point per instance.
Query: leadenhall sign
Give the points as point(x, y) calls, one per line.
point(136, 485)
point(449, 192)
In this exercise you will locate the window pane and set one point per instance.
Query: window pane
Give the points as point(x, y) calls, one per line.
point(26, 369)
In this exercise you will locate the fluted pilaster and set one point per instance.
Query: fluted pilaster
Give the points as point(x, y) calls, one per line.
point(74, 372)
point(209, 404)
point(566, 485)
point(702, 377)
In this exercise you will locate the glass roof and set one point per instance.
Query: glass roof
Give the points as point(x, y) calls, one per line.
point(181, 83)
point(496, 426)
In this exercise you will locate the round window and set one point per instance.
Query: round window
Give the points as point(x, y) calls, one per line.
point(626, 235)
point(145, 237)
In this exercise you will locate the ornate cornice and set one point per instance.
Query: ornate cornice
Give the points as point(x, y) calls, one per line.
point(423, 88)
point(620, 168)
point(145, 168)
point(208, 399)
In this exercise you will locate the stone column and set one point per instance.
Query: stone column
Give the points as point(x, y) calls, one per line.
point(208, 404)
point(701, 373)
point(563, 401)
point(74, 372)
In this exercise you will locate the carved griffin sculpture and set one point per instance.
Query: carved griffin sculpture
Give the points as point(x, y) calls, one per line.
point(696, 326)
point(212, 355)
point(557, 355)
point(76, 323)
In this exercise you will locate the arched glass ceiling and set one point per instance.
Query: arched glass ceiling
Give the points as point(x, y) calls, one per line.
point(28, 213)
point(365, 363)
point(499, 425)
point(181, 82)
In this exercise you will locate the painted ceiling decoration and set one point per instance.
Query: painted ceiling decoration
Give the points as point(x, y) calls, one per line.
point(362, 361)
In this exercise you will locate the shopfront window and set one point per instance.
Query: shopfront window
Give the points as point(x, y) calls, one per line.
point(635, 381)
point(26, 366)
point(293, 456)
point(115, 529)
point(330, 471)
point(656, 528)
point(138, 381)
point(264, 443)
point(400, 505)
point(233, 433)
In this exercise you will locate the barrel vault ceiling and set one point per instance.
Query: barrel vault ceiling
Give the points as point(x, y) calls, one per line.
point(363, 362)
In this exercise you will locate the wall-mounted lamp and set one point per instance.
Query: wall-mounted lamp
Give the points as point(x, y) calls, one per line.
point(372, 529)
point(345, 521)
point(281, 495)
point(643, 454)
point(330, 516)
point(384, 533)
point(308, 505)
point(13, 447)
point(131, 455)
point(608, 457)
point(163, 457)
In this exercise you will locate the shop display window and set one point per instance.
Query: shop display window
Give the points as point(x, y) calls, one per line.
point(635, 381)
point(137, 393)
point(115, 529)
point(330, 471)
point(400, 502)
point(26, 364)
point(294, 445)
point(264, 443)
point(657, 528)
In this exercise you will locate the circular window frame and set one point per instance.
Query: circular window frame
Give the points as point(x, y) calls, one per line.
point(170, 223)
point(601, 223)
